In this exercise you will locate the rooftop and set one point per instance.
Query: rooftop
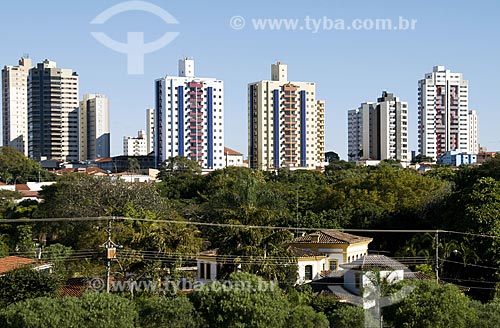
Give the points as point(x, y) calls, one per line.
point(327, 236)
point(369, 262)
point(10, 263)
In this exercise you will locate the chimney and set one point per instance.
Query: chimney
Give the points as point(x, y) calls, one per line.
point(315, 237)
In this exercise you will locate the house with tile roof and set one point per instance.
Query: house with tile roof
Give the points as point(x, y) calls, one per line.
point(324, 251)
point(318, 255)
point(234, 158)
point(10, 263)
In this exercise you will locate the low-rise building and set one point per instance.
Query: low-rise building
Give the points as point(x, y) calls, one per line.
point(457, 158)
point(233, 158)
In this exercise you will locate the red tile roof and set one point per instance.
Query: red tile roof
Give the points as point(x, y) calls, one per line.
point(9, 263)
point(74, 287)
point(229, 151)
point(327, 236)
point(21, 187)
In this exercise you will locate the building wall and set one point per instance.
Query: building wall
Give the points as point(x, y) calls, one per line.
point(317, 265)
point(320, 133)
point(282, 118)
point(94, 127)
point(443, 106)
point(369, 278)
point(15, 105)
point(473, 132)
point(205, 263)
point(379, 131)
point(53, 128)
point(135, 146)
point(189, 118)
point(150, 129)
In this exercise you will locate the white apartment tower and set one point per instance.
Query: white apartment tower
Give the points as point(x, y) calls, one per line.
point(189, 118)
point(53, 106)
point(473, 132)
point(15, 105)
point(379, 131)
point(283, 129)
point(94, 127)
point(135, 146)
point(443, 109)
point(150, 129)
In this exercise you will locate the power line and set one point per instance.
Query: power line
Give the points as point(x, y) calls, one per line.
point(244, 226)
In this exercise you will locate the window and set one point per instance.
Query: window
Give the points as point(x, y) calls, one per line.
point(208, 271)
point(332, 265)
point(308, 272)
point(202, 270)
point(357, 280)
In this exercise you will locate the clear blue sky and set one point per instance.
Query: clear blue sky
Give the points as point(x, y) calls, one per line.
point(349, 67)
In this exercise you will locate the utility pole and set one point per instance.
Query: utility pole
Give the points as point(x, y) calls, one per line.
point(437, 256)
point(110, 253)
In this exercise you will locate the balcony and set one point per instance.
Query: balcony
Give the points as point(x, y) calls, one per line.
point(195, 141)
point(195, 84)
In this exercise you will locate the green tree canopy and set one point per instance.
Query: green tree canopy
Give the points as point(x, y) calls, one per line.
point(15, 167)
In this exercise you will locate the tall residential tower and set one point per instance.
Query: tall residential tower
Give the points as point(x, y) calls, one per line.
point(94, 127)
point(379, 131)
point(286, 124)
point(53, 113)
point(443, 109)
point(189, 117)
point(15, 105)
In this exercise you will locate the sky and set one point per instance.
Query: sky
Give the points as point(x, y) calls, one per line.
point(349, 67)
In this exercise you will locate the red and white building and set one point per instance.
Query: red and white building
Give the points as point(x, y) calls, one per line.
point(189, 118)
point(443, 113)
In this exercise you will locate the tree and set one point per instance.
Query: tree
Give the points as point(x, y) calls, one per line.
point(133, 165)
point(175, 312)
point(91, 310)
point(178, 165)
point(432, 305)
point(304, 316)
point(347, 316)
point(25, 283)
point(15, 167)
point(251, 302)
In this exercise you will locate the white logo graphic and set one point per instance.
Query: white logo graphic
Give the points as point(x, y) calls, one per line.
point(135, 48)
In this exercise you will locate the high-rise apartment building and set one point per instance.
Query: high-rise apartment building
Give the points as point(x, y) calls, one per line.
point(320, 131)
point(15, 105)
point(189, 117)
point(53, 126)
point(135, 146)
point(443, 109)
point(379, 131)
point(473, 132)
point(150, 129)
point(94, 127)
point(283, 124)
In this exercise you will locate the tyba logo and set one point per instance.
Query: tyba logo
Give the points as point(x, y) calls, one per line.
point(135, 48)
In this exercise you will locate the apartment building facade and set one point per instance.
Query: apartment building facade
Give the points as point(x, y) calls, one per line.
point(15, 105)
point(379, 130)
point(94, 127)
point(283, 129)
point(53, 118)
point(189, 118)
point(443, 109)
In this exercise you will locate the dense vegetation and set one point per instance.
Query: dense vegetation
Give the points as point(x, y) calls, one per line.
point(345, 196)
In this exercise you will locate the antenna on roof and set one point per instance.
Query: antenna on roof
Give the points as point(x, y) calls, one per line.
point(26, 55)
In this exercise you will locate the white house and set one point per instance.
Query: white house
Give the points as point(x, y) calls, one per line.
point(325, 251)
point(371, 271)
